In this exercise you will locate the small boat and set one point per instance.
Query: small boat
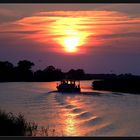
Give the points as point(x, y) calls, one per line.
point(68, 86)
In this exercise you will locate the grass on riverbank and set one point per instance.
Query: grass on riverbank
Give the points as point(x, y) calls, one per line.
point(11, 125)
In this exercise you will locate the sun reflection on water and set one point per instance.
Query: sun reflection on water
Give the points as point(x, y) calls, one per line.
point(71, 122)
point(70, 127)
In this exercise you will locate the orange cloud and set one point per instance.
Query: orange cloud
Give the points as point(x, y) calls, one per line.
point(74, 29)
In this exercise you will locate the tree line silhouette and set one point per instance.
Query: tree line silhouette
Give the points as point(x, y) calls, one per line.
point(23, 72)
point(122, 83)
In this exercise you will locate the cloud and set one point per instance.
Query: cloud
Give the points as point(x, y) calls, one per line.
point(20, 32)
point(7, 12)
point(109, 35)
point(120, 35)
point(94, 28)
point(7, 15)
point(131, 10)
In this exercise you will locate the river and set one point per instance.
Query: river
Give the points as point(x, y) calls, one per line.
point(93, 113)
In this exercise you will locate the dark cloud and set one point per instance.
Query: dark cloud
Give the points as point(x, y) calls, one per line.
point(120, 35)
point(19, 32)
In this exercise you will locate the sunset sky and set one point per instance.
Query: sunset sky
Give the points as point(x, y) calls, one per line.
point(99, 38)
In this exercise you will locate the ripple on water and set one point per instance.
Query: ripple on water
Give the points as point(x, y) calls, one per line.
point(105, 129)
point(84, 115)
point(92, 121)
point(77, 110)
point(69, 106)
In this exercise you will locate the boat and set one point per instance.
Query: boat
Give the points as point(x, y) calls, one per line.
point(69, 86)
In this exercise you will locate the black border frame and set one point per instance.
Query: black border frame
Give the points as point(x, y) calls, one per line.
point(69, 138)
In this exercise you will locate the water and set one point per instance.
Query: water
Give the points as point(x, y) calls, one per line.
point(89, 114)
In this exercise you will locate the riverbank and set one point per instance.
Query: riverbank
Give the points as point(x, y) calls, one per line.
point(119, 84)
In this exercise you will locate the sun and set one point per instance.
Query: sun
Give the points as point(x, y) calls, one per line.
point(69, 35)
point(71, 44)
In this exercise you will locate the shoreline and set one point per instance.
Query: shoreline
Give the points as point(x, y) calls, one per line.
point(128, 85)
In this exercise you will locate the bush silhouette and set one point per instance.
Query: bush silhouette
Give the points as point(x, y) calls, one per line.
point(11, 125)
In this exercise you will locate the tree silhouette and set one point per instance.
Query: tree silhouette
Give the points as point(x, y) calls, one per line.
point(25, 65)
point(6, 71)
point(23, 70)
point(75, 74)
point(51, 73)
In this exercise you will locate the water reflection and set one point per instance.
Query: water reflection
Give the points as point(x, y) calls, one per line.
point(71, 122)
point(73, 114)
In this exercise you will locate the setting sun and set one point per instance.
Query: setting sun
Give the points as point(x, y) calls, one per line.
point(69, 36)
point(71, 44)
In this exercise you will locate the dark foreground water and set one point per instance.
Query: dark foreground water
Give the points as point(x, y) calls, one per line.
point(88, 114)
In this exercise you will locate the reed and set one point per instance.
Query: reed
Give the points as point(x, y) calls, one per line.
point(12, 125)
